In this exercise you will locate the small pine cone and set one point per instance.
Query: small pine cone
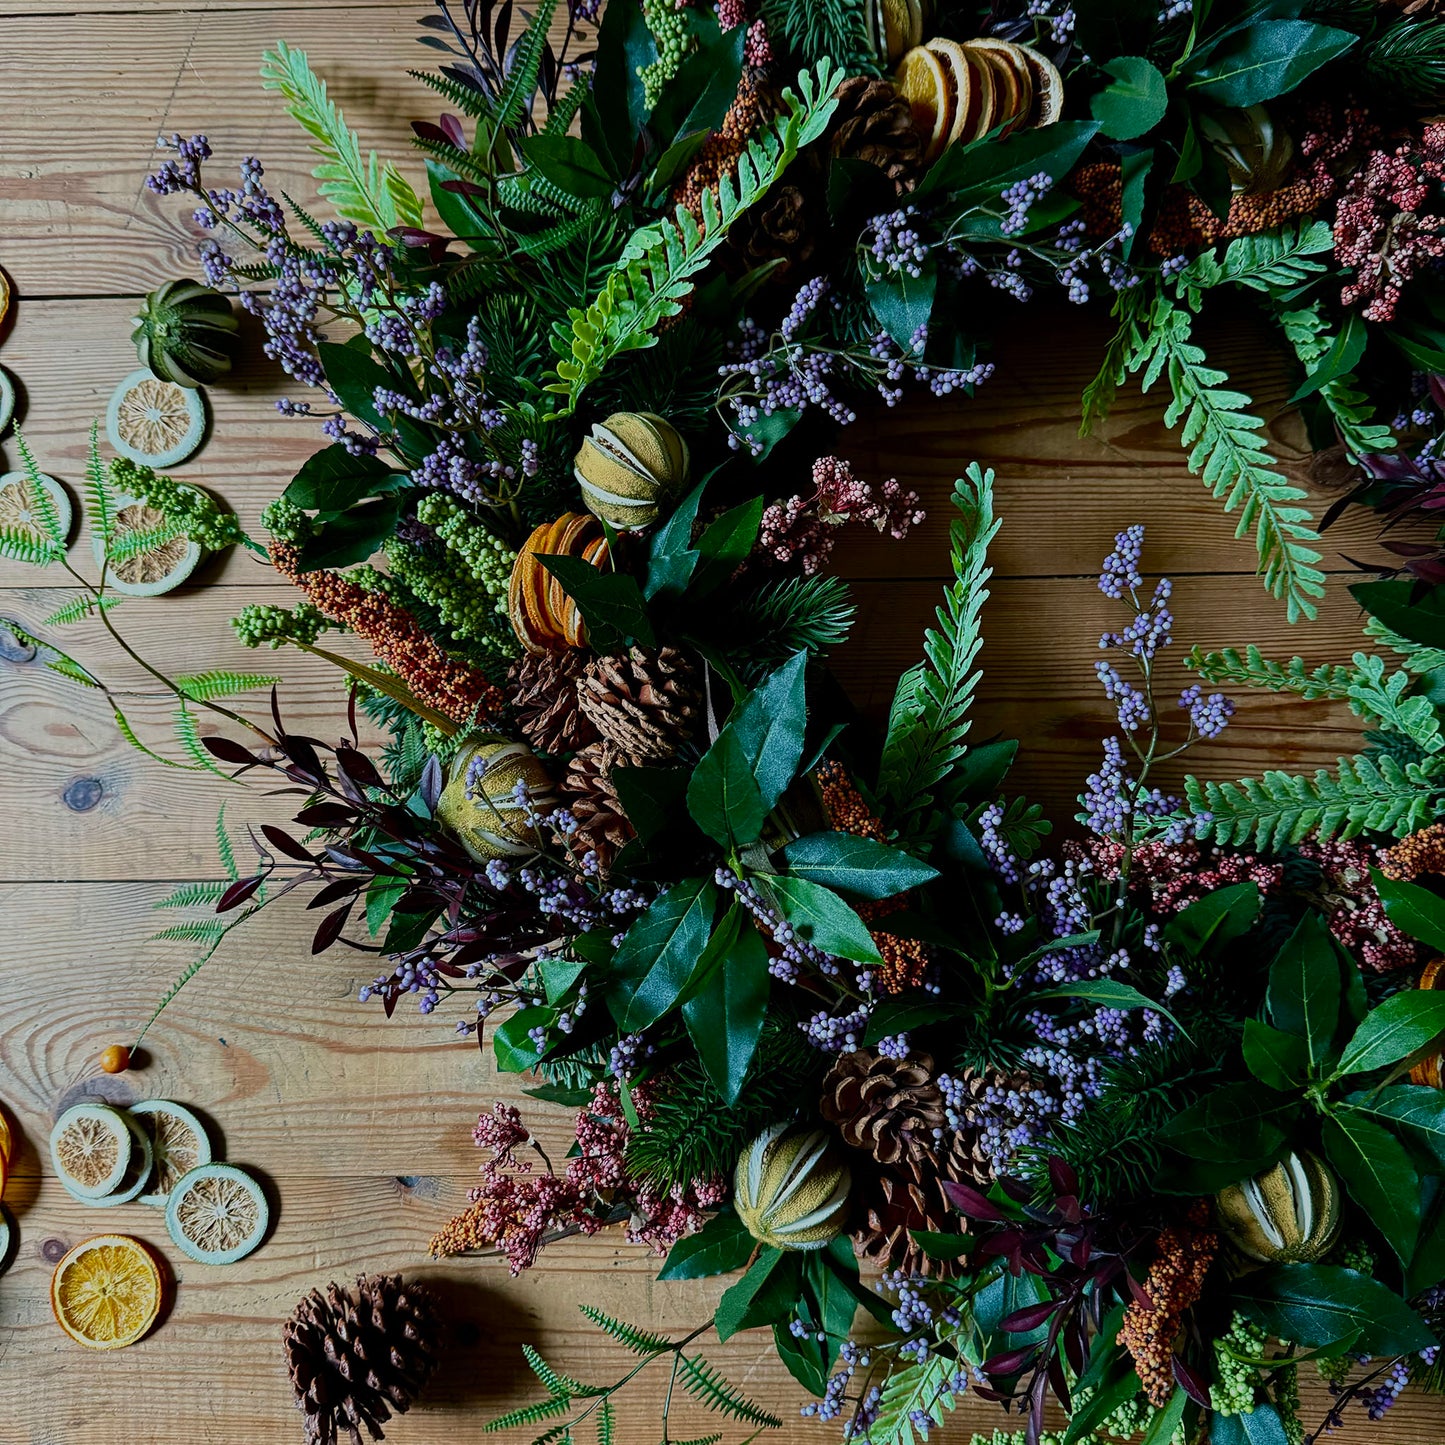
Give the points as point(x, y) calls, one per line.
point(544, 694)
point(355, 1357)
point(873, 123)
point(602, 826)
point(890, 1107)
point(645, 704)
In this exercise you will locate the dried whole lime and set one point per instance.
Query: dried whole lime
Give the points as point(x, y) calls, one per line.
point(217, 1214)
point(153, 422)
point(179, 1143)
point(91, 1147)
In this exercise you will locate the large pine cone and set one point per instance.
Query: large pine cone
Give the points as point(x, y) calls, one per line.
point(874, 123)
point(355, 1357)
point(645, 704)
point(891, 1107)
point(544, 693)
point(602, 825)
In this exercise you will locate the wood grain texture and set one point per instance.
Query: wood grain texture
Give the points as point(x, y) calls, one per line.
point(359, 1127)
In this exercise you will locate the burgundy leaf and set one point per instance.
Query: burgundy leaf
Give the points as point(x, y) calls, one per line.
point(1062, 1176)
point(388, 1004)
point(330, 929)
point(1140, 1294)
point(454, 132)
point(1068, 1209)
point(1010, 1362)
point(449, 969)
point(229, 751)
point(1016, 1189)
point(1059, 1381)
point(238, 893)
point(1075, 1337)
point(1036, 1411)
point(430, 786)
point(351, 716)
point(464, 188)
point(283, 842)
point(425, 130)
point(1020, 1322)
point(326, 815)
point(358, 767)
point(341, 888)
point(1193, 1382)
point(967, 1200)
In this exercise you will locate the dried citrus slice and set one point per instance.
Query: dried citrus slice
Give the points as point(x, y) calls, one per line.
point(1014, 81)
point(7, 1140)
point(8, 1235)
point(153, 569)
point(137, 1174)
point(90, 1146)
point(1048, 88)
point(106, 1293)
point(217, 1214)
point(20, 508)
point(155, 423)
point(972, 83)
point(4, 297)
point(7, 398)
point(179, 1143)
point(922, 81)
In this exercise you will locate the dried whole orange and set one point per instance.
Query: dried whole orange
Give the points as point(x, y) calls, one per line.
point(106, 1293)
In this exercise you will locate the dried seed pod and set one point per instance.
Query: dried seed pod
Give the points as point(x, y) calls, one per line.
point(1288, 1214)
point(629, 467)
point(792, 1187)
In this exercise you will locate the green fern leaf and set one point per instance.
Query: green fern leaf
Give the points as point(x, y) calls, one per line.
point(128, 733)
point(193, 895)
point(70, 669)
point(640, 1342)
point(132, 544)
point(205, 930)
point(1252, 669)
point(907, 1392)
point(79, 608)
point(20, 544)
point(656, 270)
point(524, 65)
point(1226, 453)
point(1383, 700)
point(1307, 331)
point(362, 189)
point(224, 849)
point(530, 1414)
point(97, 490)
point(207, 686)
point(189, 734)
point(929, 717)
point(605, 1424)
point(1271, 262)
point(42, 504)
point(194, 967)
point(1415, 656)
point(706, 1384)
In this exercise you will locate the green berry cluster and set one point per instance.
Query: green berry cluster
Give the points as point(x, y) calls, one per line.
point(192, 510)
point(1235, 1382)
point(667, 20)
point(1286, 1403)
point(287, 522)
point(1013, 1437)
point(487, 557)
point(1355, 1254)
point(472, 615)
point(260, 622)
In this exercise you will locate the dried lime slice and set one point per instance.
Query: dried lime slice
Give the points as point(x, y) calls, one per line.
point(8, 1235)
point(155, 423)
point(217, 1214)
point(178, 1140)
point(20, 509)
point(90, 1147)
point(7, 399)
point(137, 1174)
point(153, 569)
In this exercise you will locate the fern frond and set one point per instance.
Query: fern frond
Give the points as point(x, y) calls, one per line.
point(203, 930)
point(558, 1386)
point(465, 98)
point(908, 1393)
point(188, 733)
point(97, 489)
point(561, 116)
point(224, 849)
point(655, 272)
point(362, 189)
point(1272, 262)
point(195, 966)
point(1414, 656)
point(1382, 699)
point(640, 1342)
point(605, 1424)
point(132, 544)
point(20, 544)
point(547, 1409)
point(1129, 309)
point(207, 686)
point(79, 608)
point(71, 670)
point(1375, 795)
point(524, 66)
point(1226, 453)
point(703, 1382)
point(929, 717)
point(1253, 669)
point(1308, 332)
point(193, 895)
point(42, 504)
point(123, 726)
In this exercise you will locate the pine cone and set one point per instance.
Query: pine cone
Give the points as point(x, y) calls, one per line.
point(602, 825)
point(354, 1358)
point(645, 703)
point(874, 123)
point(544, 693)
point(890, 1107)
point(1416, 7)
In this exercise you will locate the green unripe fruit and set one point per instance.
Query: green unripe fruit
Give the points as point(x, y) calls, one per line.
point(185, 333)
point(630, 467)
point(479, 806)
point(791, 1188)
point(1289, 1214)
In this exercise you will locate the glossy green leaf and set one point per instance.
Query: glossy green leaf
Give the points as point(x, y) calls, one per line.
point(765, 1295)
point(1265, 59)
point(1136, 101)
point(351, 537)
point(1164, 1424)
point(821, 918)
point(611, 603)
point(902, 303)
point(1412, 909)
point(1377, 1173)
point(1415, 612)
point(722, 1245)
point(725, 1010)
point(1416, 1108)
point(1224, 914)
point(514, 1051)
point(655, 961)
point(1317, 1305)
point(333, 479)
point(1237, 1121)
point(861, 866)
point(1277, 1059)
point(1304, 987)
point(1403, 1023)
point(723, 796)
point(1260, 1426)
point(1112, 993)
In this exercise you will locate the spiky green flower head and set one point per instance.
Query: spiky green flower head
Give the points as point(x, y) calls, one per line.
point(488, 558)
point(287, 522)
point(667, 21)
point(1235, 1379)
point(497, 793)
point(262, 622)
point(791, 1187)
point(195, 512)
point(1288, 1214)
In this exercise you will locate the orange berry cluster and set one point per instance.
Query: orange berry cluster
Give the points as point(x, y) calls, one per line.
point(1173, 1284)
point(450, 686)
point(719, 152)
point(846, 810)
point(1422, 852)
point(905, 962)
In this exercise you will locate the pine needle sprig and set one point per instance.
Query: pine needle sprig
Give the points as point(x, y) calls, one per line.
point(1225, 451)
point(817, 29)
point(1408, 61)
point(929, 717)
point(656, 271)
point(801, 614)
point(362, 189)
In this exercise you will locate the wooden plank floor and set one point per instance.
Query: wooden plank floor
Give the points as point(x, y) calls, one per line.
point(359, 1127)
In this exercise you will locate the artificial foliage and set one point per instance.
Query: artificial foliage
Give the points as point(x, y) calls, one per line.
point(1139, 1111)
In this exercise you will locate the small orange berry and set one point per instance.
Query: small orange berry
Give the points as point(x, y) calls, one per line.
point(115, 1059)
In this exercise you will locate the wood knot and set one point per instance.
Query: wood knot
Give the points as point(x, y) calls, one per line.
point(14, 647)
point(54, 1250)
point(81, 795)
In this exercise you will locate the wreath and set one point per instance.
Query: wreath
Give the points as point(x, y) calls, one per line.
point(1143, 1120)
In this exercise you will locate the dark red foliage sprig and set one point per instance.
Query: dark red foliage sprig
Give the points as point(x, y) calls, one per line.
point(1081, 1258)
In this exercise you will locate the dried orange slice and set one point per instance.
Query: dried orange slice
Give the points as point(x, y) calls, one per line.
point(4, 1172)
point(1014, 81)
point(972, 82)
point(922, 81)
point(1048, 88)
point(90, 1147)
point(106, 1293)
point(7, 1140)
